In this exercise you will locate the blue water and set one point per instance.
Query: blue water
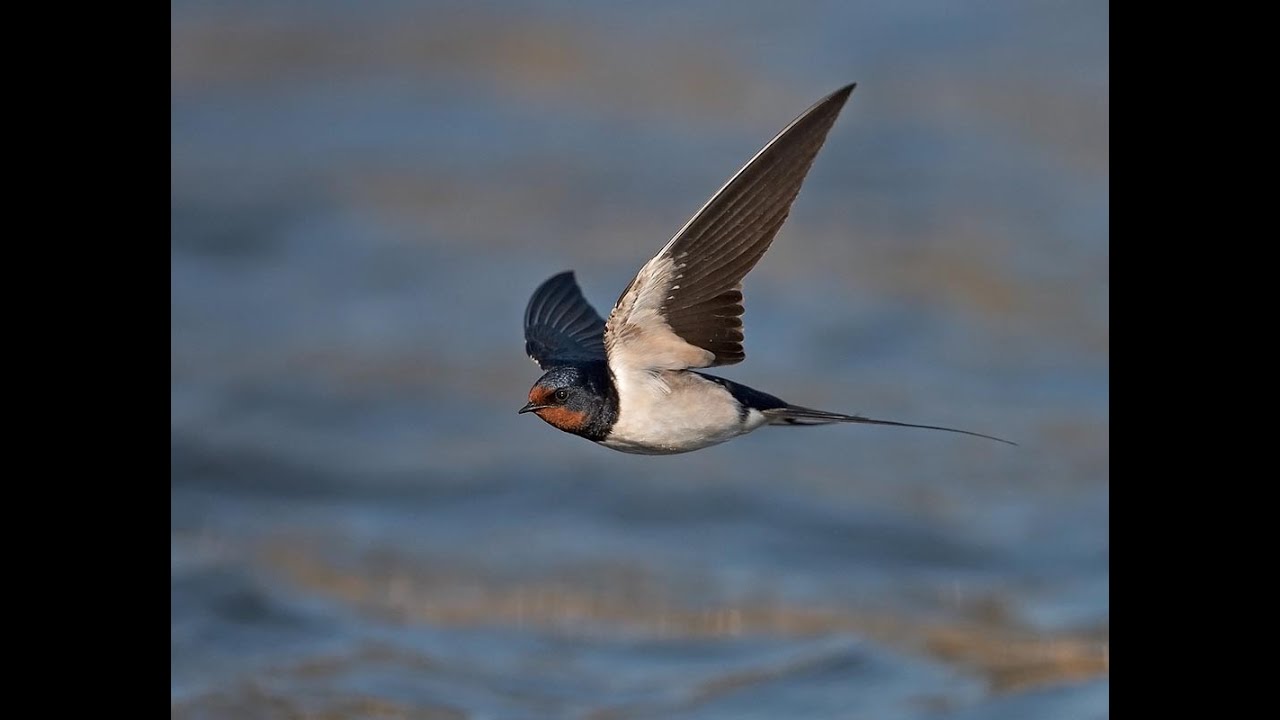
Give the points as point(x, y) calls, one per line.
point(363, 197)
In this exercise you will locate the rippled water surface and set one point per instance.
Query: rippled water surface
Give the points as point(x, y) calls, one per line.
point(365, 194)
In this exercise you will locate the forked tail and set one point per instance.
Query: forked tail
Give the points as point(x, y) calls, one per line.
point(796, 415)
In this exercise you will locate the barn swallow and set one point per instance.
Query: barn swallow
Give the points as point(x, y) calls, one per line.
point(631, 383)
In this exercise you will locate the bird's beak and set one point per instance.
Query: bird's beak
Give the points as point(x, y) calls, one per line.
point(529, 407)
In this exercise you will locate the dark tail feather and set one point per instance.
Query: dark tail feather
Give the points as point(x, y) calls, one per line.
point(795, 415)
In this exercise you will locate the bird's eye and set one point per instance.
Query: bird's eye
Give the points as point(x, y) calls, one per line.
point(562, 395)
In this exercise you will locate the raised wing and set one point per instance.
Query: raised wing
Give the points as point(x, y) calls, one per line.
point(684, 308)
point(560, 326)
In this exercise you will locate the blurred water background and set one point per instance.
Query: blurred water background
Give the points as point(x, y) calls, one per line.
point(365, 194)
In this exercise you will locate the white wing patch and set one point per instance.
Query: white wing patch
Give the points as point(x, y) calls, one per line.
point(637, 336)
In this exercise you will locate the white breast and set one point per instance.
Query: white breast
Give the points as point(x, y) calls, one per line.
point(673, 412)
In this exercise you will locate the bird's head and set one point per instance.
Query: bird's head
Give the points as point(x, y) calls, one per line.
point(574, 399)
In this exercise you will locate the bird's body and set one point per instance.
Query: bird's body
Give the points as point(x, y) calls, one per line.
point(677, 411)
point(632, 383)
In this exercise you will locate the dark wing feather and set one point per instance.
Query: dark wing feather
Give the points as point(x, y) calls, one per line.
point(698, 275)
point(560, 326)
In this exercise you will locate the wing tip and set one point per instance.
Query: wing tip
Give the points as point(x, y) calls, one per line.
point(545, 286)
point(837, 98)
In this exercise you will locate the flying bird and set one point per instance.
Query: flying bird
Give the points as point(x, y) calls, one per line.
point(632, 383)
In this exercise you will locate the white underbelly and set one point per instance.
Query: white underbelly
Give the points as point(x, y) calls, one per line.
point(680, 413)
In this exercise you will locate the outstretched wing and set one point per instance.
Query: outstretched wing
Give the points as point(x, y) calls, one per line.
point(684, 308)
point(560, 326)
